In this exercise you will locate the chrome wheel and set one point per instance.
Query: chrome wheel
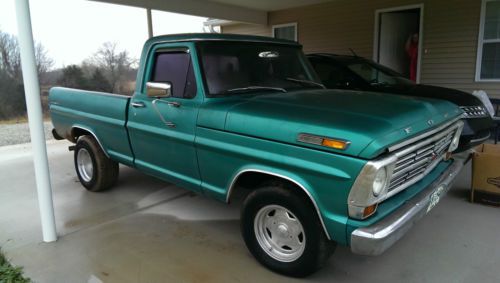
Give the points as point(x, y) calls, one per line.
point(85, 165)
point(279, 233)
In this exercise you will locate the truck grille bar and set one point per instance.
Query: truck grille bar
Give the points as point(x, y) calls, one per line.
point(416, 160)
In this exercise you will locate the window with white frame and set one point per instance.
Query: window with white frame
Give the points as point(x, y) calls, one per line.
point(285, 31)
point(488, 65)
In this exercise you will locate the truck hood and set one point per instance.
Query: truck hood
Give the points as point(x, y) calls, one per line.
point(458, 97)
point(370, 121)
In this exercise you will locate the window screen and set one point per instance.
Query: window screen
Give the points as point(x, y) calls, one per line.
point(490, 59)
point(175, 68)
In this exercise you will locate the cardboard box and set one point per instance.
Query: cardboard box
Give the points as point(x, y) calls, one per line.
point(486, 174)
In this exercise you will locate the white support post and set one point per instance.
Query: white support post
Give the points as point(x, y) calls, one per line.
point(150, 22)
point(35, 119)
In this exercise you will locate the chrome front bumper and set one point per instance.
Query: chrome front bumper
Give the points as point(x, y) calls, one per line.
point(378, 237)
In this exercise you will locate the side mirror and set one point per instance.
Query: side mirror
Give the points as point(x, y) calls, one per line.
point(158, 90)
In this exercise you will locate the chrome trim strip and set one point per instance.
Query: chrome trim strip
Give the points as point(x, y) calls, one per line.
point(419, 137)
point(481, 139)
point(94, 135)
point(231, 186)
point(378, 237)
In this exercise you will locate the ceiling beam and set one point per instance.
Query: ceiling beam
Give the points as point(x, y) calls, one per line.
point(200, 8)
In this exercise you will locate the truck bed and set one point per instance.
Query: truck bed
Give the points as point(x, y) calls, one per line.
point(103, 115)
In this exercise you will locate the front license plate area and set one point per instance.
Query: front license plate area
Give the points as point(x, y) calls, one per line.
point(435, 197)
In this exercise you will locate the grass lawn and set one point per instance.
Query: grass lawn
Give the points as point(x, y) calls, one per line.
point(10, 274)
point(22, 119)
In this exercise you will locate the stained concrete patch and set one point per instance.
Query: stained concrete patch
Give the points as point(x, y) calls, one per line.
point(146, 230)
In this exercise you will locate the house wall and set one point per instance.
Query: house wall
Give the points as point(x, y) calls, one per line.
point(450, 35)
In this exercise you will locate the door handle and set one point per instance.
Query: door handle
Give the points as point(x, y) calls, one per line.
point(174, 104)
point(138, 104)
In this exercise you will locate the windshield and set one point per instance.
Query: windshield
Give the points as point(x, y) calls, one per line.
point(376, 74)
point(236, 67)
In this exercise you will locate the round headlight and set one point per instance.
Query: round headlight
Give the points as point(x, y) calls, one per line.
point(454, 143)
point(379, 182)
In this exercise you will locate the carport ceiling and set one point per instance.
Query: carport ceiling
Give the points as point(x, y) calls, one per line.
point(268, 5)
point(250, 11)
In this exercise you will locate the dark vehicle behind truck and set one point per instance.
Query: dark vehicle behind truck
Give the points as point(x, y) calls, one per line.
point(357, 73)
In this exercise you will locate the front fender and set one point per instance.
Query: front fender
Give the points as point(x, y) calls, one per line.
point(325, 177)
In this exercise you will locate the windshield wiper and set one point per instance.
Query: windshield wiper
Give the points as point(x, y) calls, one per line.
point(306, 82)
point(252, 88)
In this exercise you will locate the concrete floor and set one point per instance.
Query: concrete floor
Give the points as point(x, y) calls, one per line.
point(145, 230)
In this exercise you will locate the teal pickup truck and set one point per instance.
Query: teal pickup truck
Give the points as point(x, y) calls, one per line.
point(225, 114)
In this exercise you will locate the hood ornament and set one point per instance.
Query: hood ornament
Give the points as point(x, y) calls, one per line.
point(430, 122)
point(408, 130)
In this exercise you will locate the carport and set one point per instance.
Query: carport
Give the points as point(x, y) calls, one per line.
point(149, 231)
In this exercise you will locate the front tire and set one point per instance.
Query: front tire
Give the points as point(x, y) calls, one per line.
point(282, 231)
point(95, 170)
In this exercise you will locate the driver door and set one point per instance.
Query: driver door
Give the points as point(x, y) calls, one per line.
point(162, 130)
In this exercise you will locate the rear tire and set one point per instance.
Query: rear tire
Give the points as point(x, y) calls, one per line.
point(282, 230)
point(95, 170)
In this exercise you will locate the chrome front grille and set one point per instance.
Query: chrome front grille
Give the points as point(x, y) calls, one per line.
point(418, 159)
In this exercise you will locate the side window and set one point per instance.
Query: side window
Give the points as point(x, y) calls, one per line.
point(177, 69)
point(333, 76)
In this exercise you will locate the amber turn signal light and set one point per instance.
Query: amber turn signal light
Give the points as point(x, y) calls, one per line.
point(337, 144)
point(369, 210)
point(323, 141)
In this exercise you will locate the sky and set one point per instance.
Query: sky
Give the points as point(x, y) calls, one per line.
point(73, 30)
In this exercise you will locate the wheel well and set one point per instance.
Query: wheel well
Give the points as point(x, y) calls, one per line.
point(250, 180)
point(78, 132)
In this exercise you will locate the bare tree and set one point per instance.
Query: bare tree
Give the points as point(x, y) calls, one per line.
point(43, 62)
point(114, 63)
point(10, 58)
point(9, 54)
point(12, 101)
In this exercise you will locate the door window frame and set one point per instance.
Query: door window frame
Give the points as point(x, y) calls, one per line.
point(190, 69)
point(189, 48)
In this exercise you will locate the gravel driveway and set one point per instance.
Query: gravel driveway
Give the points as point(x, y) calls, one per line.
point(20, 133)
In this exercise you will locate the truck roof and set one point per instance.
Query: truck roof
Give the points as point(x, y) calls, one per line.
point(216, 36)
